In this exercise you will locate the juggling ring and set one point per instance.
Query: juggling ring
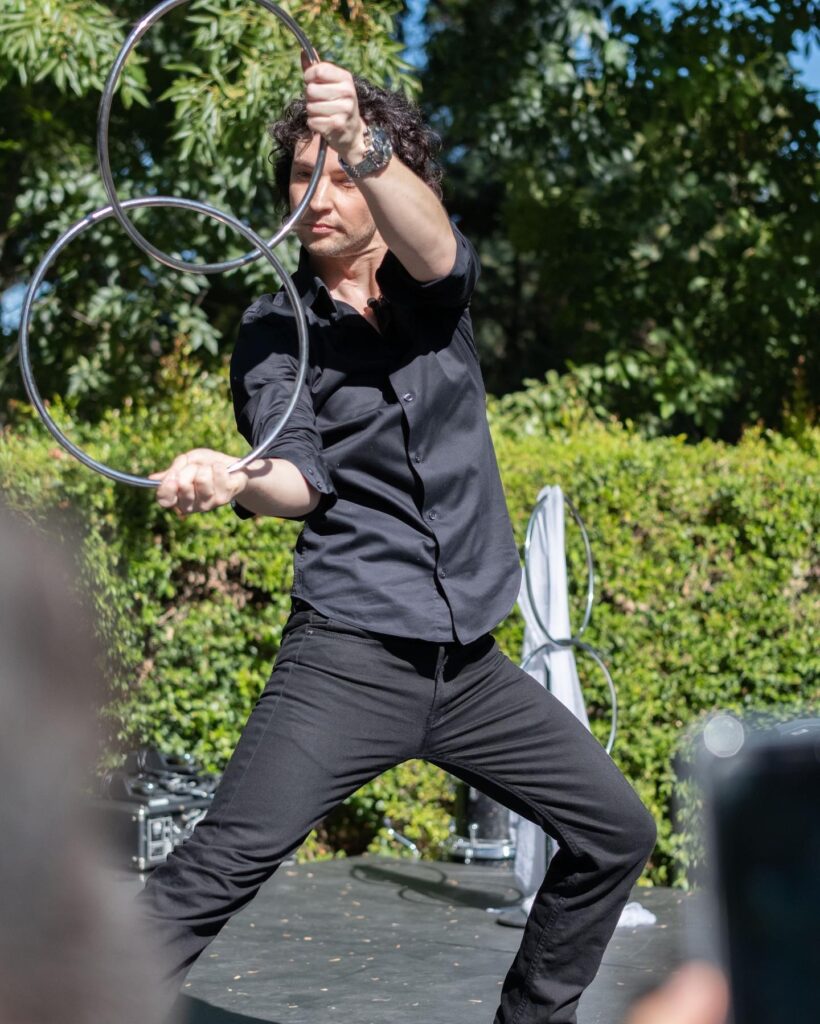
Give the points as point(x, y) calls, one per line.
point(103, 119)
point(567, 641)
point(574, 640)
point(117, 210)
point(581, 645)
point(102, 214)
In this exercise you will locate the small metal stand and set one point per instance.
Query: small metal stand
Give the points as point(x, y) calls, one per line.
point(486, 823)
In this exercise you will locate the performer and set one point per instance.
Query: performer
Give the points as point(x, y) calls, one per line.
point(405, 562)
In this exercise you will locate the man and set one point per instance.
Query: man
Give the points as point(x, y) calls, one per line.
point(405, 563)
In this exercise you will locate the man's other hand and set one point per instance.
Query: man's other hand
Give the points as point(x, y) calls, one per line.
point(697, 993)
point(198, 481)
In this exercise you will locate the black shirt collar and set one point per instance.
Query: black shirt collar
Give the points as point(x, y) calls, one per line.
point(312, 288)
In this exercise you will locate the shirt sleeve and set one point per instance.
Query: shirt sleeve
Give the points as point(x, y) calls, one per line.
point(454, 289)
point(264, 365)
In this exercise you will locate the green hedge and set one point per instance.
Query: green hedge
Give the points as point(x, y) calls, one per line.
point(706, 594)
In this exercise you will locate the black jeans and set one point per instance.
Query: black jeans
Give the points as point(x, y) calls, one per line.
point(344, 705)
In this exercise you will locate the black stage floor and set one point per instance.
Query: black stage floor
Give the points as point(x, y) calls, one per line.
point(382, 940)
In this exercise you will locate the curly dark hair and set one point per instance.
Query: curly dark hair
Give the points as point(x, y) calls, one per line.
point(413, 141)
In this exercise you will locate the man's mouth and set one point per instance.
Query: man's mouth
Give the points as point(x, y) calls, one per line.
point(320, 228)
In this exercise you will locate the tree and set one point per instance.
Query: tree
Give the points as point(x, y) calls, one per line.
point(189, 120)
point(644, 197)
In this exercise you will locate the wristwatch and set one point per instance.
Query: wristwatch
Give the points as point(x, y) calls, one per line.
point(378, 153)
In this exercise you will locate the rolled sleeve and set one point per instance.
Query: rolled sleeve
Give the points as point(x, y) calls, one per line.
point(454, 289)
point(264, 365)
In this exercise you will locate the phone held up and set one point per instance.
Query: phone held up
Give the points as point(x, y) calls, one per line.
point(761, 819)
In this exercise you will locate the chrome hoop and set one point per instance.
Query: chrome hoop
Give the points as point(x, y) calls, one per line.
point(590, 650)
point(563, 641)
point(104, 158)
point(77, 229)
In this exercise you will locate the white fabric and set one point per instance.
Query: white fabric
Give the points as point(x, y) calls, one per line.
point(554, 668)
point(634, 915)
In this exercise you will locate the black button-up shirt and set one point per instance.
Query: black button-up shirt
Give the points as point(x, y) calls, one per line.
point(411, 535)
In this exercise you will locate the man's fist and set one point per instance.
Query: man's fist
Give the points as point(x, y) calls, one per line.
point(333, 108)
point(198, 481)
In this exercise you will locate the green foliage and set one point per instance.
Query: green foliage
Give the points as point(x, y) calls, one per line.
point(188, 120)
point(706, 590)
point(643, 191)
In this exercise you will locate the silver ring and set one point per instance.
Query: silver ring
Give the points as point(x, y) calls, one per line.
point(98, 215)
point(566, 641)
point(103, 156)
point(590, 650)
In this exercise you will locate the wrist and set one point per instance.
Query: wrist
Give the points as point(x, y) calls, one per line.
point(355, 152)
point(239, 481)
point(376, 157)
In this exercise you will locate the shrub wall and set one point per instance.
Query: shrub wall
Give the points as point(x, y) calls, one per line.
point(706, 594)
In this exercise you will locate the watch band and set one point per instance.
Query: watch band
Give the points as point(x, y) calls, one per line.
point(377, 155)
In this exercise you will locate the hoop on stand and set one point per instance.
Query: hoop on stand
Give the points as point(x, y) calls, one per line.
point(574, 640)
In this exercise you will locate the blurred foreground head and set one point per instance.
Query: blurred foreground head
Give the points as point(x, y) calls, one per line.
point(71, 948)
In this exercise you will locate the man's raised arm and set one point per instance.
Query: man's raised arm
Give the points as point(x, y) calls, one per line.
point(409, 216)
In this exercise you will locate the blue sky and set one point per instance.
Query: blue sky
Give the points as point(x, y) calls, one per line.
point(808, 68)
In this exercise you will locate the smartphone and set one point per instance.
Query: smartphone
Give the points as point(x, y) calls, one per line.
point(761, 800)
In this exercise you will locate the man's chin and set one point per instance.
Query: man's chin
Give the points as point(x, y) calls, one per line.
point(331, 244)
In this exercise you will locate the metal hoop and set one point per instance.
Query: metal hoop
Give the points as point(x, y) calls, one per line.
point(103, 156)
point(98, 215)
point(590, 650)
point(560, 642)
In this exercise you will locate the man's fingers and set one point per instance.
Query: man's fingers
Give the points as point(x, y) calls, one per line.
point(204, 484)
point(196, 481)
point(186, 487)
point(167, 491)
point(325, 71)
point(318, 92)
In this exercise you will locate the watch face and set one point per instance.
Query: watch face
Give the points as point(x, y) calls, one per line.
point(377, 156)
point(380, 139)
point(381, 144)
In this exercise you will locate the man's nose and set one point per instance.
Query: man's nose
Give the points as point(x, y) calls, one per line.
point(319, 199)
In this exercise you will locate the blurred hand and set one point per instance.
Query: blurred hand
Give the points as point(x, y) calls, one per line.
point(697, 993)
point(332, 105)
point(198, 481)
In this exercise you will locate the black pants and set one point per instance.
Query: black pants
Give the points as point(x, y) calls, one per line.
point(344, 705)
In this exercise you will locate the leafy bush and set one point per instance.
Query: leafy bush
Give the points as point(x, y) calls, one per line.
point(188, 120)
point(706, 591)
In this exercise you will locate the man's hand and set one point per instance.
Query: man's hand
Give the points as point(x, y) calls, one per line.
point(333, 108)
point(697, 993)
point(199, 481)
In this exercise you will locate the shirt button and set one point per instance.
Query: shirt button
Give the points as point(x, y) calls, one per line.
point(417, 457)
point(408, 396)
point(442, 573)
point(432, 514)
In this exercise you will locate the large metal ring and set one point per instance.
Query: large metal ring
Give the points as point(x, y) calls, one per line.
point(560, 641)
point(104, 117)
point(581, 645)
point(187, 204)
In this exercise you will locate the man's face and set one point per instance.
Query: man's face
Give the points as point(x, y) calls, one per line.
point(337, 202)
